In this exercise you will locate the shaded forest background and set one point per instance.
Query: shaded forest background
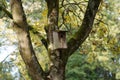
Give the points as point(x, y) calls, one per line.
point(97, 58)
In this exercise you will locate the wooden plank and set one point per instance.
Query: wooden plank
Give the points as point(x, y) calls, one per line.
point(59, 40)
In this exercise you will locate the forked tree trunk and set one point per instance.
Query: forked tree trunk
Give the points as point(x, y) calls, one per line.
point(25, 45)
point(58, 57)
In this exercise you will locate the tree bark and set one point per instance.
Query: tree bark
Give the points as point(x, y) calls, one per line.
point(57, 67)
point(84, 30)
point(25, 45)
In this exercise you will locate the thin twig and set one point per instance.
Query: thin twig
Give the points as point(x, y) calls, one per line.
point(5, 58)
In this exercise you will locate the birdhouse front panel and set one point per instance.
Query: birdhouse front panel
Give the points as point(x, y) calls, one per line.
point(59, 40)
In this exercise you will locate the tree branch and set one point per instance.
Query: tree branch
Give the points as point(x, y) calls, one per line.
point(43, 40)
point(25, 45)
point(84, 30)
point(73, 3)
point(6, 12)
point(5, 58)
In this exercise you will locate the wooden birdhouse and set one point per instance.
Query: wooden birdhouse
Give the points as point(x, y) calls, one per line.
point(59, 40)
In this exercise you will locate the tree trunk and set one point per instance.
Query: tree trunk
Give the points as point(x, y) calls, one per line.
point(25, 45)
point(57, 67)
